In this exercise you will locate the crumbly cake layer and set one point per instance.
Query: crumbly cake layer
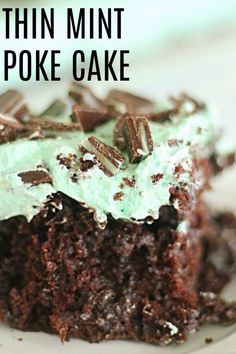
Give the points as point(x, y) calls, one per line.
point(61, 273)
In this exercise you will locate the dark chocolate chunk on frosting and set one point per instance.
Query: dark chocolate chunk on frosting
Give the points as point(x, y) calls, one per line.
point(107, 158)
point(89, 118)
point(66, 161)
point(133, 133)
point(35, 177)
point(118, 196)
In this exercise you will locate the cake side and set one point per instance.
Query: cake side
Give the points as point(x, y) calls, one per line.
point(63, 274)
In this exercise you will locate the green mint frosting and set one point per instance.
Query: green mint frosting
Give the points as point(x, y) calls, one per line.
point(95, 189)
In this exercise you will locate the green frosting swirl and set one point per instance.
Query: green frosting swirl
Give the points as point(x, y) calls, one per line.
point(95, 189)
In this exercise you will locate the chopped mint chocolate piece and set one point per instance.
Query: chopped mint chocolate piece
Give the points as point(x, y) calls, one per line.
point(56, 108)
point(187, 103)
point(45, 125)
point(35, 177)
point(9, 128)
point(127, 102)
point(137, 136)
point(83, 95)
point(106, 157)
point(118, 136)
point(164, 116)
point(89, 118)
point(12, 103)
point(10, 121)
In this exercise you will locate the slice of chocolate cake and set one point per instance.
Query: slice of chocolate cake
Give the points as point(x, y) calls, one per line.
point(103, 231)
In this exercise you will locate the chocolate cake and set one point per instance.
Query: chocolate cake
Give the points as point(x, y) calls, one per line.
point(104, 233)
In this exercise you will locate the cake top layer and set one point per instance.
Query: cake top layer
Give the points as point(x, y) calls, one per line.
point(113, 162)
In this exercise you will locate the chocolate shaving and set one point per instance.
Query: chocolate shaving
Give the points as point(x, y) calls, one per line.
point(156, 178)
point(56, 108)
point(35, 177)
point(108, 159)
point(181, 195)
point(9, 128)
point(129, 182)
point(74, 177)
point(134, 133)
point(118, 196)
point(66, 161)
point(178, 170)
point(85, 165)
point(126, 102)
point(11, 103)
point(89, 118)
